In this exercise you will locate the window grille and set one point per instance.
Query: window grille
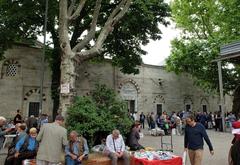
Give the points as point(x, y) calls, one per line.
point(11, 70)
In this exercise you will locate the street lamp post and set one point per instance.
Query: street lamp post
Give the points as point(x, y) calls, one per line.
point(43, 57)
point(221, 94)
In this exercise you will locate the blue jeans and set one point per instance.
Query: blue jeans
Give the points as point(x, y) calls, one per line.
point(70, 161)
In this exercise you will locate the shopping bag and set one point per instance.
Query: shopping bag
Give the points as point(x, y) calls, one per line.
point(174, 131)
point(184, 158)
point(141, 135)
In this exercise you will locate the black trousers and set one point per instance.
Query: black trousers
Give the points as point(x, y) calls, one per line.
point(11, 160)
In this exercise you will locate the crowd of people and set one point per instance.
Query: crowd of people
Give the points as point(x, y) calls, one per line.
point(42, 140)
point(177, 121)
point(35, 138)
point(193, 126)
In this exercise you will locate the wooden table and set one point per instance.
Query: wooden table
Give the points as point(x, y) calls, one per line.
point(174, 161)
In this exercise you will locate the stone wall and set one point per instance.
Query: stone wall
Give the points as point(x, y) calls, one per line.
point(153, 88)
point(20, 81)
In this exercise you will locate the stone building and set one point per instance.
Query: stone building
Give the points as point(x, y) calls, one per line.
point(152, 90)
point(20, 82)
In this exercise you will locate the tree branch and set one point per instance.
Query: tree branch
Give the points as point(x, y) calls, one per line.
point(88, 54)
point(71, 7)
point(206, 28)
point(79, 27)
point(78, 10)
point(115, 16)
point(63, 26)
point(92, 31)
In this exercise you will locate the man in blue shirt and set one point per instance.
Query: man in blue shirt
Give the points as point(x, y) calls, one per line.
point(193, 140)
point(26, 148)
point(76, 150)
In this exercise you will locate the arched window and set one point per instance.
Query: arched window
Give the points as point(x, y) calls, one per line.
point(10, 68)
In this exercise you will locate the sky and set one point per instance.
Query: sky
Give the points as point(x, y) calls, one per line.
point(159, 50)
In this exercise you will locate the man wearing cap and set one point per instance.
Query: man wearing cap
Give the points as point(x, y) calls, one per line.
point(193, 140)
point(52, 138)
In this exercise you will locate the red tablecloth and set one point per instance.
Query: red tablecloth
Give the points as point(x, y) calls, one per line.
point(174, 161)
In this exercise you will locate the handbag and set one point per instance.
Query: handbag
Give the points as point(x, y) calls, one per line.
point(166, 126)
point(184, 157)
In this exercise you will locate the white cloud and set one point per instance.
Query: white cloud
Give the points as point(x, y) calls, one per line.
point(159, 50)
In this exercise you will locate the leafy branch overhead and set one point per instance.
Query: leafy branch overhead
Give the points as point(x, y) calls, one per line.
point(205, 26)
point(123, 44)
point(119, 11)
point(84, 29)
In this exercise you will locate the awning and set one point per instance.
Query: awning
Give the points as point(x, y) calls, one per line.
point(230, 52)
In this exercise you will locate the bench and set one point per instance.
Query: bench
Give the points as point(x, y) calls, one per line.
point(100, 159)
point(93, 159)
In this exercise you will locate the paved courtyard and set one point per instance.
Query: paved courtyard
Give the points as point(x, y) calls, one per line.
point(221, 143)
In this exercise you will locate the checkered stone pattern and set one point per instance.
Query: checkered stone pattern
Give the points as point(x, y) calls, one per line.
point(11, 70)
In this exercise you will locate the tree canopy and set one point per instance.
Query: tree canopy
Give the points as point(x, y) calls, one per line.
point(206, 25)
point(21, 20)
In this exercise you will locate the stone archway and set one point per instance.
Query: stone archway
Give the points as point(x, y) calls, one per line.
point(31, 102)
point(129, 91)
point(188, 103)
point(159, 102)
point(204, 105)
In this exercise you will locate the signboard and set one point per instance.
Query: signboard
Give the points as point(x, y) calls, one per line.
point(65, 88)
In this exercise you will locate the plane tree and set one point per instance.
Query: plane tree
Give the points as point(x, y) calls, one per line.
point(205, 27)
point(82, 30)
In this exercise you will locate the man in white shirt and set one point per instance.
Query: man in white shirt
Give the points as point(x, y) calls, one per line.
point(116, 147)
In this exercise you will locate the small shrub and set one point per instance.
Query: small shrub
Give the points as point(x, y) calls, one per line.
point(95, 116)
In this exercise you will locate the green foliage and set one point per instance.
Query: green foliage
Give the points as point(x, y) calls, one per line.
point(139, 25)
point(95, 116)
point(206, 26)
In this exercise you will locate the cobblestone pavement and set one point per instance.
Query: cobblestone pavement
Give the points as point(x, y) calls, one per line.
point(221, 144)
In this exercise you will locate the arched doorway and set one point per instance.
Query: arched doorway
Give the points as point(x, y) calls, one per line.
point(32, 103)
point(159, 102)
point(129, 92)
point(204, 105)
point(188, 103)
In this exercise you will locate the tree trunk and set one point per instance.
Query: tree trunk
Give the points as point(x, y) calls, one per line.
point(68, 80)
point(67, 63)
point(56, 74)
